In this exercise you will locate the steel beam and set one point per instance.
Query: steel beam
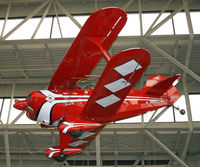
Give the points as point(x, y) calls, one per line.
point(17, 118)
point(136, 162)
point(189, 22)
point(98, 153)
point(26, 19)
point(127, 4)
point(6, 141)
point(41, 20)
point(56, 12)
point(6, 18)
point(171, 59)
point(48, 60)
point(151, 121)
point(96, 5)
point(189, 114)
point(165, 20)
point(166, 149)
point(11, 100)
point(160, 14)
point(1, 110)
point(19, 63)
point(68, 14)
point(140, 16)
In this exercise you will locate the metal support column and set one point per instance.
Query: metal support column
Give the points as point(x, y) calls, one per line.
point(6, 18)
point(10, 106)
point(140, 17)
point(98, 154)
point(189, 114)
point(59, 26)
point(6, 141)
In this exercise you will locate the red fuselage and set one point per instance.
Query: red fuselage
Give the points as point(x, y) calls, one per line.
point(49, 106)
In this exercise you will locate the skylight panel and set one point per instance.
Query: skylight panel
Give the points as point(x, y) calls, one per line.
point(147, 20)
point(25, 31)
point(45, 28)
point(166, 28)
point(180, 24)
point(132, 26)
point(195, 22)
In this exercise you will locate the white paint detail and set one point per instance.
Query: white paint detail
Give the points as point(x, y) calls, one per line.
point(49, 93)
point(117, 85)
point(70, 125)
point(86, 134)
point(77, 143)
point(54, 149)
point(144, 98)
point(114, 26)
point(58, 151)
point(72, 149)
point(45, 111)
point(107, 101)
point(128, 67)
point(52, 153)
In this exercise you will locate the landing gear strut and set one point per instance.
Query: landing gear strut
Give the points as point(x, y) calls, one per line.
point(182, 111)
point(61, 158)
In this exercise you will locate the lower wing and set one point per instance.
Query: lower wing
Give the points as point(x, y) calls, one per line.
point(74, 137)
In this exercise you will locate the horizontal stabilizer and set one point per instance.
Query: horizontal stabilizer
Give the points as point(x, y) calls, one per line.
point(158, 88)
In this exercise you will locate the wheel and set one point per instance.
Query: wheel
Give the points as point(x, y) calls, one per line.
point(61, 158)
point(76, 134)
point(182, 111)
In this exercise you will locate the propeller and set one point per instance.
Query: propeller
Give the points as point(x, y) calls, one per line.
point(22, 105)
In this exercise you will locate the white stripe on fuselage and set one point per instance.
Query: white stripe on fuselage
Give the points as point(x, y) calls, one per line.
point(45, 110)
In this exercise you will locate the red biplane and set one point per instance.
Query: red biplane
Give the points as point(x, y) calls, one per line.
point(80, 114)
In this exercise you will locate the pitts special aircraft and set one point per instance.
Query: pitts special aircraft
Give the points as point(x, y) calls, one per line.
point(80, 114)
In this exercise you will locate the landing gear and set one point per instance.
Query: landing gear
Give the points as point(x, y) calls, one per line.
point(182, 111)
point(76, 134)
point(61, 158)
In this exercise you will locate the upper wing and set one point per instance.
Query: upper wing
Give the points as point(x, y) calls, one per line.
point(120, 75)
point(74, 137)
point(99, 31)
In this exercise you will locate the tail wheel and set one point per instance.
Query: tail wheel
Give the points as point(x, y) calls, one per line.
point(61, 158)
point(182, 112)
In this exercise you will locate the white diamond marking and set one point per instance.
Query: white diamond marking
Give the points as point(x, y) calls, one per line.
point(107, 101)
point(86, 134)
point(78, 143)
point(117, 85)
point(128, 67)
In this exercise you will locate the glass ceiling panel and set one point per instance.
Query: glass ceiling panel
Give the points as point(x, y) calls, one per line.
point(180, 24)
point(195, 17)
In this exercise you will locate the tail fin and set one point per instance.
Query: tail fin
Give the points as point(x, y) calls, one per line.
point(157, 85)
